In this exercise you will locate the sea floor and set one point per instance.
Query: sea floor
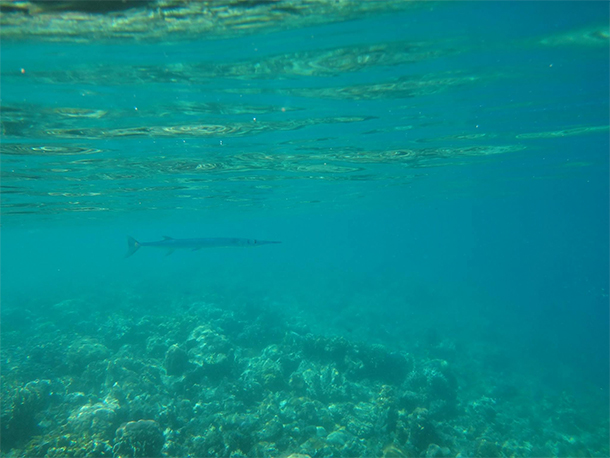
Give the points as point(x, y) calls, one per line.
point(209, 377)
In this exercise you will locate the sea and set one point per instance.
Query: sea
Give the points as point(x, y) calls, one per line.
point(437, 174)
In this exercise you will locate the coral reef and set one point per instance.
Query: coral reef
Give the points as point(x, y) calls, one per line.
point(142, 438)
point(176, 361)
point(19, 422)
point(245, 382)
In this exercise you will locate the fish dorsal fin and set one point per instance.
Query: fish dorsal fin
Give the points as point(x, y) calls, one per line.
point(165, 237)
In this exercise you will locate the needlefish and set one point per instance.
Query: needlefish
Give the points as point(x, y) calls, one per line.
point(171, 244)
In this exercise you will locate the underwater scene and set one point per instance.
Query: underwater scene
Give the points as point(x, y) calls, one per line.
point(304, 228)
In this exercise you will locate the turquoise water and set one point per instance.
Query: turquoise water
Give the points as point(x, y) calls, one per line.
point(437, 174)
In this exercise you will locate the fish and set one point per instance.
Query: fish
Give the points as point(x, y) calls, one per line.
point(171, 244)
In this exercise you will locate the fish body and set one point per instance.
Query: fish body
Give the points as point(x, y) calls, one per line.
point(171, 244)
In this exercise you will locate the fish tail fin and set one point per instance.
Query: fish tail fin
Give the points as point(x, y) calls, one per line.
point(132, 246)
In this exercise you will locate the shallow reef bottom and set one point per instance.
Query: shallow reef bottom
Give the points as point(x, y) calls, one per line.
point(212, 380)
